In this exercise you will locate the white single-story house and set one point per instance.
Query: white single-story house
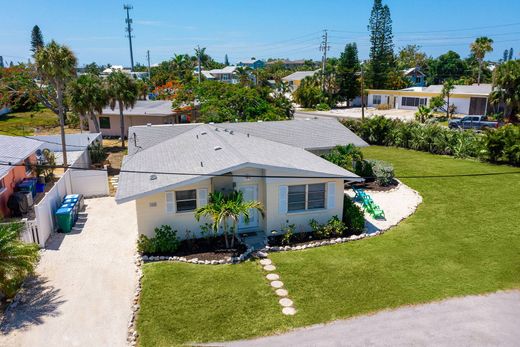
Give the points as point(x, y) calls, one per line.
point(295, 79)
point(468, 99)
point(171, 169)
point(144, 112)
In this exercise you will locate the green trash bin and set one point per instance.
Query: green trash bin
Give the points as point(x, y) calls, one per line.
point(65, 218)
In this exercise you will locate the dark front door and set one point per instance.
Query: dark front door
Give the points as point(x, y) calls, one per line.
point(477, 106)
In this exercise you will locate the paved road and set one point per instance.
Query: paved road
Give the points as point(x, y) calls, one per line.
point(491, 320)
point(84, 286)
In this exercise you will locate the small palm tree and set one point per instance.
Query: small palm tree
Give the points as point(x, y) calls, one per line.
point(479, 48)
point(199, 53)
point(17, 259)
point(235, 207)
point(447, 87)
point(212, 210)
point(87, 95)
point(56, 66)
point(243, 75)
point(122, 91)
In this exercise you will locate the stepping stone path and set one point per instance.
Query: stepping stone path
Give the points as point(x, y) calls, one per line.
point(286, 303)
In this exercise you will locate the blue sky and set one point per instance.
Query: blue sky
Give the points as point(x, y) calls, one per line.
point(94, 29)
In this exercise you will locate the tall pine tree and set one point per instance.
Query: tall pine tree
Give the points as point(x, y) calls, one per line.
point(36, 39)
point(346, 76)
point(226, 60)
point(382, 60)
point(510, 56)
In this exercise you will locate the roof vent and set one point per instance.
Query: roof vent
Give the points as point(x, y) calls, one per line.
point(197, 135)
point(217, 148)
point(153, 177)
point(247, 134)
point(148, 124)
point(203, 133)
point(226, 130)
point(216, 129)
point(231, 132)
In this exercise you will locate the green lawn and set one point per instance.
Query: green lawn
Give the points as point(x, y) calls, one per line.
point(463, 239)
point(24, 123)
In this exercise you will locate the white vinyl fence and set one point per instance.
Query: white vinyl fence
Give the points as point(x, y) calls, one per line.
point(85, 182)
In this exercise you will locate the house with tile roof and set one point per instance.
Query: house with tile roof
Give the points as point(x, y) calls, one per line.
point(170, 170)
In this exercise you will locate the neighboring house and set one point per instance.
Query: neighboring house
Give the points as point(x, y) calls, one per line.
point(77, 147)
point(295, 79)
point(270, 162)
point(226, 74)
point(468, 99)
point(416, 76)
point(15, 151)
point(252, 63)
point(144, 112)
point(288, 64)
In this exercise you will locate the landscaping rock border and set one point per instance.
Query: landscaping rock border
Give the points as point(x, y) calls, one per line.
point(132, 331)
point(232, 260)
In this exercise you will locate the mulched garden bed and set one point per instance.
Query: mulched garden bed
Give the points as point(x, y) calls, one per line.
point(303, 238)
point(373, 186)
point(213, 248)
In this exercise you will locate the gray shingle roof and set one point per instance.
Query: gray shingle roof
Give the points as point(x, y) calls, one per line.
point(144, 108)
point(482, 89)
point(299, 75)
point(14, 149)
point(311, 134)
point(209, 149)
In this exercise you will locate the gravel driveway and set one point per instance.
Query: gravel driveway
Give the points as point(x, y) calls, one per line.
point(488, 320)
point(82, 293)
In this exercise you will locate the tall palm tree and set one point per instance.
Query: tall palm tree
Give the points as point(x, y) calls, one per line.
point(17, 259)
point(506, 87)
point(447, 87)
point(56, 66)
point(122, 92)
point(87, 95)
point(479, 48)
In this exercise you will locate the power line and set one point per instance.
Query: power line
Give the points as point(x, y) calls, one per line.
point(35, 139)
point(266, 176)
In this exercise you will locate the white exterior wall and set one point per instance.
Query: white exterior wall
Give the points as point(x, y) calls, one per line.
point(462, 104)
point(370, 99)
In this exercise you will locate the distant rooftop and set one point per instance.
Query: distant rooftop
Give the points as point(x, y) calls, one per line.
point(299, 75)
point(14, 149)
point(483, 89)
point(144, 108)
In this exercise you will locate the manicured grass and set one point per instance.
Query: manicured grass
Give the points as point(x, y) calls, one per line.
point(184, 303)
point(24, 123)
point(464, 239)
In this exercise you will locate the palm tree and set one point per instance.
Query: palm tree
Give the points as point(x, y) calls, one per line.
point(243, 75)
point(235, 207)
point(221, 209)
point(17, 259)
point(447, 87)
point(87, 95)
point(56, 66)
point(122, 91)
point(506, 85)
point(479, 48)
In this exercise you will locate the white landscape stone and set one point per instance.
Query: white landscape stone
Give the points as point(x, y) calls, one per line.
point(289, 311)
point(269, 268)
point(285, 302)
point(272, 277)
point(281, 292)
point(277, 284)
point(266, 262)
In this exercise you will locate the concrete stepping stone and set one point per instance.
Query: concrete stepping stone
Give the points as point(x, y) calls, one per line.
point(266, 262)
point(269, 268)
point(286, 302)
point(277, 284)
point(281, 292)
point(272, 277)
point(289, 311)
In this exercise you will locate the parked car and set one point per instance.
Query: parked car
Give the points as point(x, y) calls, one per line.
point(472, 122)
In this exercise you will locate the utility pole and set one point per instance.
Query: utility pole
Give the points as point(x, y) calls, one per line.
point(324, 47)
point(362, 94)
point(128, 29)
point(148, 59)
point(198, 61)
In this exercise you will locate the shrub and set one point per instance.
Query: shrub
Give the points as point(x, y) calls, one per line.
point(333, 228)
point(164, 241)
point(363, 168)
point(353, 217)
point(97, 153)
point(344, 156)
point(383, 172)
point(383, 107)
point(322, 107)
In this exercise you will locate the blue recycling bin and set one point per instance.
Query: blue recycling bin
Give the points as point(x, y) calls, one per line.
point(27, 186)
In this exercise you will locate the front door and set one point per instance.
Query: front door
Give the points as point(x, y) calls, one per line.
point(250, 193)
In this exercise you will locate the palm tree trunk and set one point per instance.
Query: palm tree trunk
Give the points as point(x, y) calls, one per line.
point(95, 121)
point(479, 71)
point(122, 124)
point(233, 234)
point(225, 233)
point(62, 125)
point(81, 118)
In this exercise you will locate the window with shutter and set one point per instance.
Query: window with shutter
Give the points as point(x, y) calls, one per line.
point(170, 203)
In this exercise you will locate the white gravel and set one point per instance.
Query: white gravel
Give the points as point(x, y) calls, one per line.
point(397, 204)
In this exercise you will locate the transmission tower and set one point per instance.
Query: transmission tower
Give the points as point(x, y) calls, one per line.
point(129, 29)
point(324, 47)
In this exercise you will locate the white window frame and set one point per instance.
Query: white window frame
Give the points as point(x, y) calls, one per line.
point(176, 201)
point(306, 209)
point(3, 188)
point(376, 99)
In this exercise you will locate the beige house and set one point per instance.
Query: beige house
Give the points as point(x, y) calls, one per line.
point(174, 168)
point(469, 100)
point(295, 79)
point(144, 112)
